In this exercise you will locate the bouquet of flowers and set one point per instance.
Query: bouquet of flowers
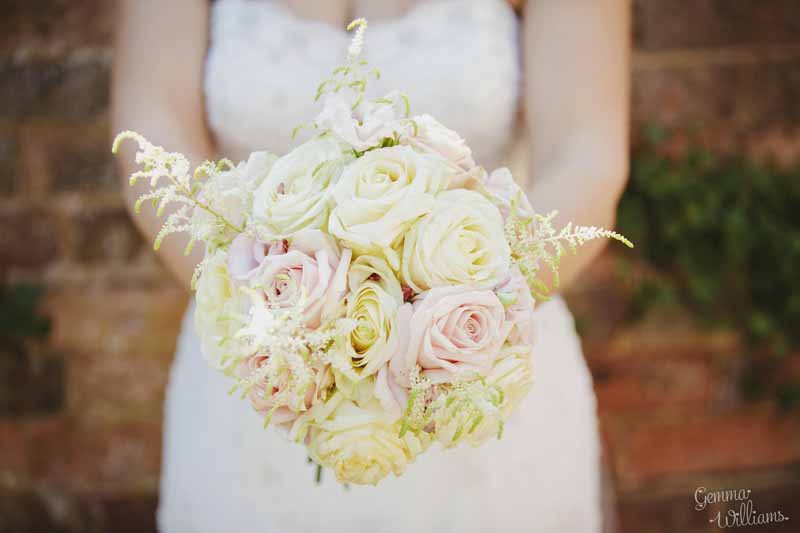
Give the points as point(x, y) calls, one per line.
point(372, 291)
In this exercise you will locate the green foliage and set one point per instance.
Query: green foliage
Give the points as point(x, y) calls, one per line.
point(727, 233)
point(19, 316)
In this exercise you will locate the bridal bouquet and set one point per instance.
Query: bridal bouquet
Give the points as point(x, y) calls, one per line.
point(372, 291)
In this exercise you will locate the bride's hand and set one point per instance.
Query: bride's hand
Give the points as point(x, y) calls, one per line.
point(157, 88)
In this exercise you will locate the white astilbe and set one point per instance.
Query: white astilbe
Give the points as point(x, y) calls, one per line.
point(534, 241)
point(353, 75)
point(182, 190)
point(416, 415)
point(357, 44)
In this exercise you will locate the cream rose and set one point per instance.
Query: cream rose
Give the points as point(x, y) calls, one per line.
point(296, 193)
point(512, 373)
point(218, 302)
point(461, 241)
point(453, 332)
point(309, 263)
point(361, 447)
point(380, 195)
point(372, 305)
point(368, 124)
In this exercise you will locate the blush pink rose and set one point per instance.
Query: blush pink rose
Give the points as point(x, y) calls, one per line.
point(365, 126)
point(505, 191)
point(514, 291)
point(452, 331)
point(263, 400)
point(309, 262)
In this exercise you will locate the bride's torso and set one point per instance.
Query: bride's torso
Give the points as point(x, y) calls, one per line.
point(456, 59)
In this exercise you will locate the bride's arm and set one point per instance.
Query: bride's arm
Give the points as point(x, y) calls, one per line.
point(157, 90)
point(577, 56)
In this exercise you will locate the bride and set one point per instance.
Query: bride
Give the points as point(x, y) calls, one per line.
point(234, 76)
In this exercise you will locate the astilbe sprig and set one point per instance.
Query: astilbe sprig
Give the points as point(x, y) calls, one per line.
point(535, 241)
point(184, 190)
point(354, 75)
point(416, 416)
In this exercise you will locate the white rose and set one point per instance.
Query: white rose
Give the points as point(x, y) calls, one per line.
point(296, 193)
point(512, 373)
point(365, 126)
point(361, 446)
point(372, 307)
point(218, 302)
point(380, 195)
point(231, 194)
point(461, 241)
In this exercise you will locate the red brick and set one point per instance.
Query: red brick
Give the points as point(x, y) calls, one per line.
point(71, 155)
point(72, 90)
point(652, 449)
point(105, 236)
point(36, 511)
point(119, 344)
point(729, 107)
point(31, 383)
point(661, 24)
point(15, 461)
point(67, 455)
point(9, 160)
point(28, 239)
point(654, 387)
point(55, 27)
point(117, 322)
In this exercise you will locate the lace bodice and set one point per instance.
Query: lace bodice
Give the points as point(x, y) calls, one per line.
point(456, 59)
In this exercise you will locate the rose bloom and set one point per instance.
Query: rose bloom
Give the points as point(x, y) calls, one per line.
point(217, 302)
point(512, 373)
point(516, 295)
point(380, 195)
point(361, 447)
point(231, 195)
point(372, 305)
point(307, 264)
point(461, 241)
point(428, 135)
point(296, 192)
point(367, 125)
point(263, 399)
point(453, 331)
point(505, 193)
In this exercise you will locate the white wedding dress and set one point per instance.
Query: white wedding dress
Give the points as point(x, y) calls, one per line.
point(457, 60)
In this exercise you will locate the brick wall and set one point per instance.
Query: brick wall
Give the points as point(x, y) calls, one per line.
point(673, 418)
point(81, 413)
